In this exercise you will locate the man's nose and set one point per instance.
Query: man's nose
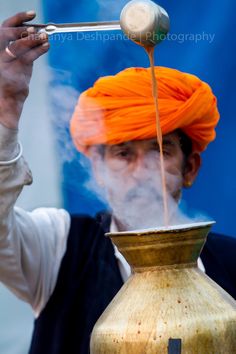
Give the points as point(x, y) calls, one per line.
point(141, 166)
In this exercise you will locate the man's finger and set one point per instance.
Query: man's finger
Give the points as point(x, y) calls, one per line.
point(22, 46)
point(15, 21)
point(34, 54)
point(14, 33)
point(19, 18)
point(8, 34)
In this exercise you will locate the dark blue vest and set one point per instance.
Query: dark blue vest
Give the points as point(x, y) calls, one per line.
point(89, 278)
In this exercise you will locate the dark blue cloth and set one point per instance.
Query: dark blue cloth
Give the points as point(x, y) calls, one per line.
point(89, 278)
point(219, 259)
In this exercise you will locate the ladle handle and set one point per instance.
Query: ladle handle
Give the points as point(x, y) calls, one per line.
point(52, 28)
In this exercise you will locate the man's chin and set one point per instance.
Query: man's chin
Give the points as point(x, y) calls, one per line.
point(140, 201)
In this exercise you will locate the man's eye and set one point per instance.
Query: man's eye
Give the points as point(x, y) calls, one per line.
point(155, 150)
point(166, 152)
point(122, 153)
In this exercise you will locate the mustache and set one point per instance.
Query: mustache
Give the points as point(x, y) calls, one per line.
point(146, 192)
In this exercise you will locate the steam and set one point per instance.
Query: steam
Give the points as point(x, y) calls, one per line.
point(135, 198)
point(64, 98)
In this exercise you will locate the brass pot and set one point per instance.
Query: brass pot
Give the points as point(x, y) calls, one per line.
point(167, 296)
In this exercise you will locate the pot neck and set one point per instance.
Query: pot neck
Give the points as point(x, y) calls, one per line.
point(161, 249)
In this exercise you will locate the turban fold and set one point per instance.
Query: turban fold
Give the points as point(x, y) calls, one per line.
point(121, 108)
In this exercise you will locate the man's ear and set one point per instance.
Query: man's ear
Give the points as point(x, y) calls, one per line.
point(191, 168)
point(97, 166)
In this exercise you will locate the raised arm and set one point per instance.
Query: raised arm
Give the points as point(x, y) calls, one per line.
point(19, 48)
point(31, 243)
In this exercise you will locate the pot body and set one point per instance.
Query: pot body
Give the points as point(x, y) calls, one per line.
point(171, 298)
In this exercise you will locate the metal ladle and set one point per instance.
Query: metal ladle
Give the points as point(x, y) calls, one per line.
point(52, 28)
point(143, 21)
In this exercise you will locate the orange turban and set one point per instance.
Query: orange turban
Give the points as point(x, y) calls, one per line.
point(120, 108)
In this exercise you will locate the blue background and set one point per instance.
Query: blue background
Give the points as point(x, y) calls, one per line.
point(78, 63)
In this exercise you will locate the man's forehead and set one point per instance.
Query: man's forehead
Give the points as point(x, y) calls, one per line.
point(167, 138)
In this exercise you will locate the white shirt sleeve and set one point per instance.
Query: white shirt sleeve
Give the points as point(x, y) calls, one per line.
point(32, 244)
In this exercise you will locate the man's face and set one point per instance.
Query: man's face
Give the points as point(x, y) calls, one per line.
point(137, 163)
point(130, 174)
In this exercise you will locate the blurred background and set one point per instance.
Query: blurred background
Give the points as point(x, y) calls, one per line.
point(201, 42)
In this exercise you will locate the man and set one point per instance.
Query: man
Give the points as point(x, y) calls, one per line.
point(63, 265)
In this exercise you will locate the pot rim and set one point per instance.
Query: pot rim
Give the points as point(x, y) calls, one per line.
point(163, 229)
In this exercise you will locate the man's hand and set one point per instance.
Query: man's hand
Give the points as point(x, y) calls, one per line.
point(19, 47)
